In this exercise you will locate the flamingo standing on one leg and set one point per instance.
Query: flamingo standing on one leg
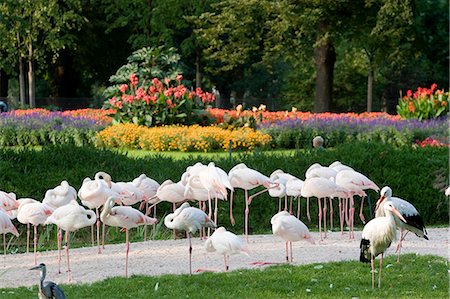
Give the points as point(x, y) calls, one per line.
point(6, 226)
point(33, 212)
point(291, 229)
point(70, 218)
point(247, 178)
point(414, 221)
point(190, 220)
point(377, 236)
point(125, 217)
point(225, 243)
point(294, 189)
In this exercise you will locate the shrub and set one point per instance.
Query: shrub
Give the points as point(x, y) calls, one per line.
point(424, 103)
point(180, 138)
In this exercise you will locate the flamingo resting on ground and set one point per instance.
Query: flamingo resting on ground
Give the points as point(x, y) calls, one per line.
point(377, 236)
point(190, 220)
point(414, 221)
point(125, 217)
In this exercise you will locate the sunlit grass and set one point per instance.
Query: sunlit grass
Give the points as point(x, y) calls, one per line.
point(415, 277)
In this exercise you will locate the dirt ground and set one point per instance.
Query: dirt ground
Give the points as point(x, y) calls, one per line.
point(171, 257)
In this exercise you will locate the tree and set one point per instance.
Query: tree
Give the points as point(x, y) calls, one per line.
point(32, 29)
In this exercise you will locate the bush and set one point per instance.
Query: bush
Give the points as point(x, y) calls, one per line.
point(424, 103)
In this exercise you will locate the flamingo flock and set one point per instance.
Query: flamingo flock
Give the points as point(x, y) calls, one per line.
point(111, 203)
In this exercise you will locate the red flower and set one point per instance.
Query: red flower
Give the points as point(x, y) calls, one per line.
point(134, 79)
point(123, 87)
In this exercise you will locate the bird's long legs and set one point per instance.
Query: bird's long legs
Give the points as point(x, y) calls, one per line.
point(320, 218)
point(35, 243)
point(190, 252)
point(373, 273)
point(246, 215)
point(361, 215)
point(127, 249)
point(341, 215)
point(98, 231)
point(399, 245)
point(325, 217)
point(381, 267)
point(67, 256)
point(28, 237)
point(287, 251)
point(174, 207)
point(298, 207)
point(331, 213)
point(290, 246)
point(351, 218)
point(307, 210)
point(231, 208)
point(59, 238)
point(226, 260)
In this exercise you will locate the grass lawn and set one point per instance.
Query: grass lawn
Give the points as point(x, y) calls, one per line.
point(415, 277)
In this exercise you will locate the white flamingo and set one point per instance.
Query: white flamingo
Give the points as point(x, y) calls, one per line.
point(33, 212)
point(226, 243)
point(6, 226)
point(190, 220)
point(70, 217)
point(125, 217)
point(291, 229)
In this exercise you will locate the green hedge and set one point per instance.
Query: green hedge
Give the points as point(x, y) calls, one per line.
point(416, 174)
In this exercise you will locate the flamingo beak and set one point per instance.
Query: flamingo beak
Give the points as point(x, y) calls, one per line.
point(396, 212)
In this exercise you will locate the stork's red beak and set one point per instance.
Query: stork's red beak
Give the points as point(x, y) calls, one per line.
point(379, 202)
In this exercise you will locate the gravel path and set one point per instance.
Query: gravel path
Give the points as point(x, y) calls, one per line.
point(171, 257)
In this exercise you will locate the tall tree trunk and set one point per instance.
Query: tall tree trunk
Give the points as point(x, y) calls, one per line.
point(370, 89)
point(325, 57)
point(3, 84)
point(31, 77)
point(22, 94)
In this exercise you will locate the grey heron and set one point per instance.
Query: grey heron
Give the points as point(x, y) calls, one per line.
point(48, 289)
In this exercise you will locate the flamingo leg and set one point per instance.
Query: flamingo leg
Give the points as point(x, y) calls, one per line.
point(98, 231)
point(154, 225)
point(290, 205)
point(320, 218)
point(28, 237)
point(287, 251)
point(292, 259)
point(209, 211)
point(92, 235)
point(67, 256)
point(279, 204)
point(331, 213)
point(190, 252)
point(127, 249)
point(307, 210)
point(286, 205)
point(373, 273)
point(215, 209)
point(231, 208)
point(4, 244)
point(361, 215)
point(341, 215)
point(174, 207)
point(381, 267)
point(298, 207)
point(59, 237)
point(226, 260)
point(346, 203)
point(351, 218)
point(145, 225)
point(325, 217)
point(103, 235)
point(35, 243)
point(247, 210)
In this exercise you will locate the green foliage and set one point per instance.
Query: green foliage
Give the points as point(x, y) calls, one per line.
point(423, 103)
point(414, 277)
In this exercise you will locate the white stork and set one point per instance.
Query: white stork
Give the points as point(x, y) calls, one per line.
point(414, 221)
point(377, 236)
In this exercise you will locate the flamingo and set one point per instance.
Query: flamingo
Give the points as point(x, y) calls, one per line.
point(226, 243)
point(338, 166)
point(190, 220)
point(61, 195)
point(33, 212)
point(356, 183)
point(291, 229)
point(8, 201)
point(149, 186)
point(280, 177)
point(413, 223)
point(294, 189)
point(321, 188)
point(377, 236)
point(125, 217)
point(70, 217)
point(6, 226)
point(246, 178)
point(93, 194)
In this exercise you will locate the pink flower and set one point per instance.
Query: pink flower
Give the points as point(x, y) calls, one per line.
point(166, 81)
point(134, 79)
point(140, 93)
point(123, 87)
point(179, 78)
point(168, 92)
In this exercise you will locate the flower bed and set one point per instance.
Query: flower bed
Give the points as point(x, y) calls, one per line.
point(41, 127)
point(180, 138)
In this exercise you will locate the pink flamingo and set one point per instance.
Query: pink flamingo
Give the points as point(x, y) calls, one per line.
point(291, 229)
point(8, 201)
point(33, 212)
point(6, 226)
point(70, 218)
point(125, 217)
point(190, 220)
